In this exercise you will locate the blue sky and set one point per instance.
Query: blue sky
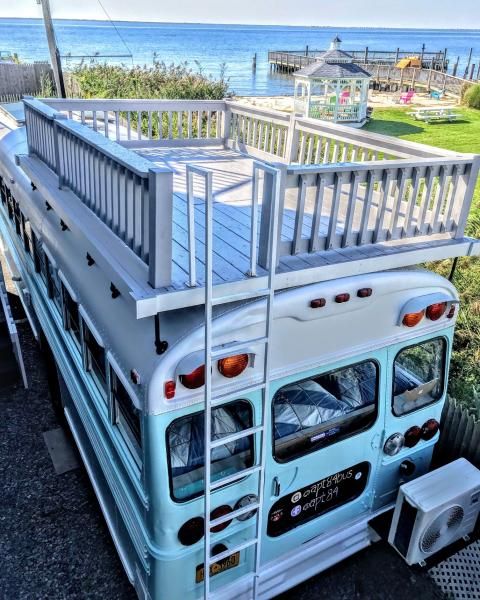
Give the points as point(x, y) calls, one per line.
point(347, 13)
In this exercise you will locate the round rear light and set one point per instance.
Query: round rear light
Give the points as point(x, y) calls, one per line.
point(435, 311)
point(232, 366)
point(412, 319)
point(413, 436)
point(195, 379)
point(218, 512)
point(430, 429)
point(192, 531)
point(242, 503)
point(394, 444)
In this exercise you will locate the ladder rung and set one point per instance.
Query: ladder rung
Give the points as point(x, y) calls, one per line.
point(238, 347)
point(250, 295)
point(235, 395)
point(235, 514)
point(227, 439)
point(230, 551)
point(232, 478)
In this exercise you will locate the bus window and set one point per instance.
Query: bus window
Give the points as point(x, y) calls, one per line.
point(185, 442)
point(419, 374)
point(54, 290)
point(316, 412)
point(71, 316)
point(95, 360)
point(126, 416)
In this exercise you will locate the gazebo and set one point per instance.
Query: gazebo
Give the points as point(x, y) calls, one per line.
point(333, 88)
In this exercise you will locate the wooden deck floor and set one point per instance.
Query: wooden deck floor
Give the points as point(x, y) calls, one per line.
point(232, 187)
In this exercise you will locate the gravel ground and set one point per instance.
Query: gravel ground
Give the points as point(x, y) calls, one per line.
point(55, 544)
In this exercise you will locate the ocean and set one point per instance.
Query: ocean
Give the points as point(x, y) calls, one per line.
point(212, 48)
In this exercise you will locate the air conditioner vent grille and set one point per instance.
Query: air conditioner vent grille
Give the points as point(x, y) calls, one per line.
point(442, 529)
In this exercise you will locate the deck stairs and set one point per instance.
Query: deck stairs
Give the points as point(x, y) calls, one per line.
point(211, 400)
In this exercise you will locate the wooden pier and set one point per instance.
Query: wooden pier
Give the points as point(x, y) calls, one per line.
point(291, 60)
point(385, 75)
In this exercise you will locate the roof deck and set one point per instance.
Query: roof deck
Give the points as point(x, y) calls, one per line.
point(350, 201)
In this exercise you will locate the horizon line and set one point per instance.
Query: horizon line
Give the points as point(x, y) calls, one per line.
point(252, 24)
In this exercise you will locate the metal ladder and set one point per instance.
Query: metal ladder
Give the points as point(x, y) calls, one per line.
point(210, 400)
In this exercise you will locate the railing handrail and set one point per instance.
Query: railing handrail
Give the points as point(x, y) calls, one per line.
point(130, 104)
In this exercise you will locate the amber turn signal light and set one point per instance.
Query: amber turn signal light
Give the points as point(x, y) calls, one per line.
point(412, 319)
point(232, 366)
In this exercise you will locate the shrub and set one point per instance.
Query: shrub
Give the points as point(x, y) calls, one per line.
point(472, 96)
point(159, 81)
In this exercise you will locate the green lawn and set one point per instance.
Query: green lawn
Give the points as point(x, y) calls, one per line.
point(461, 136)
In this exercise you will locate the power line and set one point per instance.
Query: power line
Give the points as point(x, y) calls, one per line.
point(116, 29)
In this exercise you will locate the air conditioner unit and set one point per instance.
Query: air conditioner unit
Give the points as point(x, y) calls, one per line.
point(435, 510)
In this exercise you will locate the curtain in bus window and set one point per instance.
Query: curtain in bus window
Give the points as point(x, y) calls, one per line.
point(186, 447)
point(321, 410)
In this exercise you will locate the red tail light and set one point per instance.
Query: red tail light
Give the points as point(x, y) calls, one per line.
point(192, 531)
point(232, 366)
point(430, 429)
point(218, 512)
point(318, 303)
point(339, 298)
point(435, 311)
point(413, 436)
point(170, 390)
point(195, 379)
point(412, 319)
point(451, 312)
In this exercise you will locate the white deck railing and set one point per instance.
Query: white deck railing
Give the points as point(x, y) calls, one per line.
point(346, 187)
point(132, 197)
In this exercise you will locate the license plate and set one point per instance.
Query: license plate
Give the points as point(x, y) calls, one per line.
point(218, 567)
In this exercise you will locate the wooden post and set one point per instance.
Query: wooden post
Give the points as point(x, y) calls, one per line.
point(292, 141)
point(54, 53)
point(254, 62)
point(472, 69)
point(160, 198)
point(429, 79)
point(444, 63)
point(414, 77)
point(306, 51)
point(468, 63)
point(401, 78)
point(455, 66)
point(422, 55)
point(365, 58)
point(478, 72)
point(397, 55)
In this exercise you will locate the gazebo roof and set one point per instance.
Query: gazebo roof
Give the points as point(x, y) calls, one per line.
point(333, 70)
point(334, 64)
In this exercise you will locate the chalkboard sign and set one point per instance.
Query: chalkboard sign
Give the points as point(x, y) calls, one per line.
point(316, 499)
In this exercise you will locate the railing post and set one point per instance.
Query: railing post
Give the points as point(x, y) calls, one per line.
point(265, 225)
point(466, 189)
point(225, 124)
point(58, 159)
point(160, 198)
point(291, 150)
point(28, 124)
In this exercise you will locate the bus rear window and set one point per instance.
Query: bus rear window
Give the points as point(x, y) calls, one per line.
point(185, 442)
point(316, 412)
point(418, 376)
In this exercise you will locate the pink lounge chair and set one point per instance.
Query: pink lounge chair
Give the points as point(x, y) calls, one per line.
point(407, 97)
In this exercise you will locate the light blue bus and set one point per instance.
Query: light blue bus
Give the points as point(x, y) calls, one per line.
point(314, 425)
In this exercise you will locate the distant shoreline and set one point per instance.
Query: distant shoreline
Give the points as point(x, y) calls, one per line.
point(250, 25)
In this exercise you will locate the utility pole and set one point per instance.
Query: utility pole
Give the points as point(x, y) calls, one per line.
point(52, 46)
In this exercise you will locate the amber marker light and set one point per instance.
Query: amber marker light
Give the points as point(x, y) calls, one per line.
point(412, 319)
point(233, 366)
point(435, 311)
